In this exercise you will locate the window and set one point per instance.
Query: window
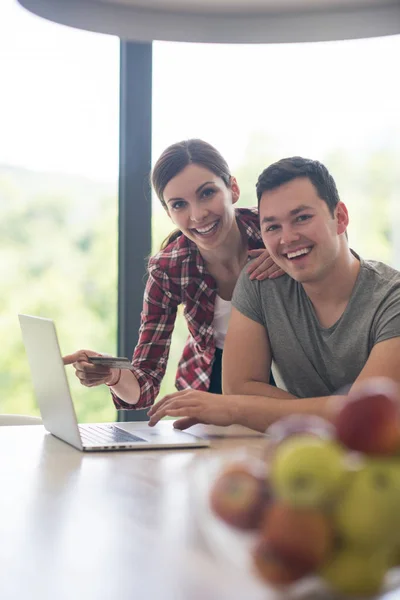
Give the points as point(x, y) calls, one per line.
point(58, 196)
point(337, 102)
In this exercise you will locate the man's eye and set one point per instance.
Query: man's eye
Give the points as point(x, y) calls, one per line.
point(301, 218)
point(271, 228)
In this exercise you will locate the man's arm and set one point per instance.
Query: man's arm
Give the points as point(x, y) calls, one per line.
point(246, 364)
point(245, 376)
point(384, 361)
point(247, 359)
point(249, 399)
point(258, 412)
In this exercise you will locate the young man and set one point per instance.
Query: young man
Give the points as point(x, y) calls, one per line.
point(332, 321)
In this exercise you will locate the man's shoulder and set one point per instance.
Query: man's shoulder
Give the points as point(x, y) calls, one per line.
point(283, 285)
point(284, 288)
point(380, 273)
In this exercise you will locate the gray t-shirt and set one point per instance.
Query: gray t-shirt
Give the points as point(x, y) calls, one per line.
point(309, 360)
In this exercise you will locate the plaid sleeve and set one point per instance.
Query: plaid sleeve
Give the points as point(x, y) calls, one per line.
point(151, 353)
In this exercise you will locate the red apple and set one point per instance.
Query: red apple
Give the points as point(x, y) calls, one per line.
point(240, 496)
point(300, 536)
point(369, 419)
point(274, 568)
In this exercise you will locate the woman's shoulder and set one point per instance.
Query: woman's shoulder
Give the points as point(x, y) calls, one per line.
point(248, 216)
point(249, 219)
point(250, 213)
point(171, 258)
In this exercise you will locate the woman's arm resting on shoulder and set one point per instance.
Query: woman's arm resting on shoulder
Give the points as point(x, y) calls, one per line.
point(247, 359)
point(263, 267)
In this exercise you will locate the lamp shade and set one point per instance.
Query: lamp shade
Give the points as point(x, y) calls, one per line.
point(226, 21)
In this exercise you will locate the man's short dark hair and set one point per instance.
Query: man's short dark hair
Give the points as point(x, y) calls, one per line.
point(287, 169)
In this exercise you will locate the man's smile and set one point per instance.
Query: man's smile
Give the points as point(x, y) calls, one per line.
point(298, 253)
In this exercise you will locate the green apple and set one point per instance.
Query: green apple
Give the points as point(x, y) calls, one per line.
point(352, 572)
point(368, 514)
point(307, 471)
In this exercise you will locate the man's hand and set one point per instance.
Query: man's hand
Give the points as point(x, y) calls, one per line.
point(263, 267)
point(194, 407)
point(88, 374)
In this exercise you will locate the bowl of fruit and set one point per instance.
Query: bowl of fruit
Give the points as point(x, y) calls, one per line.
point(317, 511)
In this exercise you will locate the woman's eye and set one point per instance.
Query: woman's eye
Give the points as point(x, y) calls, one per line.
point(271, 228)
point(178, 204)
point(207, 192)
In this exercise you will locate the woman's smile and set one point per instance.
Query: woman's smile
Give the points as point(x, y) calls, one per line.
point(206, 230)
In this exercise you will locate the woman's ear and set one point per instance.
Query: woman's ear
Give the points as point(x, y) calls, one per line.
point(342, 217)
point(235, 190)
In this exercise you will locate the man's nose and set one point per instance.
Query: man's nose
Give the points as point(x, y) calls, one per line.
point(289, 235)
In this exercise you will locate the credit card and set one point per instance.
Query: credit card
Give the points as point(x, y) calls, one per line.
point(112, 362)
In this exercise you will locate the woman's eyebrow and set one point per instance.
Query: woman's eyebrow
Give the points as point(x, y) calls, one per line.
point(202, 185)
point(196, 192)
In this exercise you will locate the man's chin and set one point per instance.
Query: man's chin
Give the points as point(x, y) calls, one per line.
point(301, 276)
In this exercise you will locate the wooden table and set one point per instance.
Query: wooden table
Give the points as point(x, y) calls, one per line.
point(101, 526)
point(115, 525)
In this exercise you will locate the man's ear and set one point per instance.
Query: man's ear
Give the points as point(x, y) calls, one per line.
point(235, 189)
point(342, 217)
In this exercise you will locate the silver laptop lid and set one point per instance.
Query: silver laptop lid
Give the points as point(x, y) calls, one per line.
point(49, 378)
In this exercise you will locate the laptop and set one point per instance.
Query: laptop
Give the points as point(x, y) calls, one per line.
point(53, 396)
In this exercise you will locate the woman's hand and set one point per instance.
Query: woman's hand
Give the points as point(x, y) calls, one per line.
point(88, 374)
point(263, 267)
point(194, 407)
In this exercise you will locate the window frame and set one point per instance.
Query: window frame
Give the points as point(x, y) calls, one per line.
point(134, 196)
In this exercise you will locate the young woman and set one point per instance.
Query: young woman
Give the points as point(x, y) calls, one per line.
point(198, 267)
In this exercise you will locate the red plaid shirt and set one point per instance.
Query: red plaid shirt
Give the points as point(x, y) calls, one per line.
point(178, 275)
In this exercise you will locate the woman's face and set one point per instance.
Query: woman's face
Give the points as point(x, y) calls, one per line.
point(201, 205)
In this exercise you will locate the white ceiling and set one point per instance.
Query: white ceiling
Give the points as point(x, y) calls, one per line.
point(226, 21)
point(242, 6)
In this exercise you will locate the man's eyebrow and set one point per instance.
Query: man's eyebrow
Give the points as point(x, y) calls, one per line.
point(196, 192)
point(292, 213)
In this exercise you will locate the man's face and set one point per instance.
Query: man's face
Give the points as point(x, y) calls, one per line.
point(299, 231)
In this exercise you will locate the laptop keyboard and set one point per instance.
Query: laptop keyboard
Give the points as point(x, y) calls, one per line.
point(106, 434)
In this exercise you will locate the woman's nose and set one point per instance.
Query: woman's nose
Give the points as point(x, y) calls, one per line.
point(198, 214)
